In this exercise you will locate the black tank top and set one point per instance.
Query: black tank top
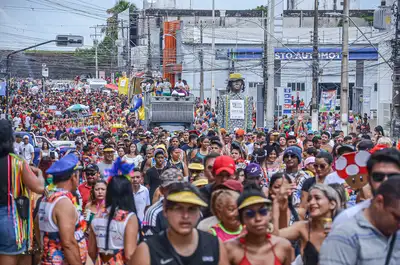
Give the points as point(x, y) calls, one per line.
point(163, 253)
point(4, 180)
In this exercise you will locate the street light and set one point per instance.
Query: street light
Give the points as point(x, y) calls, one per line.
point(61, 41)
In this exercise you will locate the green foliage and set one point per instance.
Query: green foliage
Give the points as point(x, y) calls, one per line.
point(106, 49)
point(368, 18)
point(262, 8)
point(119, 7)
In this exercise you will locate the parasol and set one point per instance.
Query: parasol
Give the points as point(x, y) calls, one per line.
point(78, 107)
point(111, 86)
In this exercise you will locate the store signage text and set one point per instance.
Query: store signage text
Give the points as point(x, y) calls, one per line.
point(307, 56)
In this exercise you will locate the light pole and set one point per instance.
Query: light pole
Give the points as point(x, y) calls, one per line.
point(61, 40)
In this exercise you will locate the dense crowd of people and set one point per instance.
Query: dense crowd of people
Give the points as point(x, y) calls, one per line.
point(132, 195)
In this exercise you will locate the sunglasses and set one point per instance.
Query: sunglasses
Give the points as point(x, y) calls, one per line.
point(321, 166)
point(251, 213)
point(90, 173)
point(380, 176)
point(289, 156)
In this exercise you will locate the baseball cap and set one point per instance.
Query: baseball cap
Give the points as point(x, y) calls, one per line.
point(231, 184)
point(196, 166)
point(224, 163)
point(170, 176)
point(92, 167)
point(251, 200)
point(26, 137)
point(200, 182)
point(309, 160)
point(253, 170)
point(240, 132)
point(310, 132)
point(186, 196)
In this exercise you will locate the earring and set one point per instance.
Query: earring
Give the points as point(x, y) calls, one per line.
point(270, 228)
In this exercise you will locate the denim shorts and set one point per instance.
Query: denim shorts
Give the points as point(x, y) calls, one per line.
point(8, 244)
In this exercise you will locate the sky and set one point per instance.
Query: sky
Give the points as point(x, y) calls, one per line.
point(27, 22)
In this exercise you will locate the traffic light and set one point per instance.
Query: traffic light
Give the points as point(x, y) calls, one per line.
point(69, 41)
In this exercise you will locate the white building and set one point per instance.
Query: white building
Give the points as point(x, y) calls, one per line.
point(239, 37)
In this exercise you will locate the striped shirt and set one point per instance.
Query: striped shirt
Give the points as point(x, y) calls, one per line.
point(149, 224)
point(358, 242)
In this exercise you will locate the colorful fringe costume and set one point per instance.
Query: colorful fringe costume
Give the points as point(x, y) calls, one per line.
point(23, 228)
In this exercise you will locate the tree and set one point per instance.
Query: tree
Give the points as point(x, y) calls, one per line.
point(262, 8)
point(106, 49)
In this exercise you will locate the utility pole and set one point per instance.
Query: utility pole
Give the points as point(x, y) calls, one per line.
point(344, 84)
point(96, 43)
point(263, 99)
point(201, 57)
point(395, 117)
point(315, 71)
point(149, 72)
point(270, 108)
point(213, 97)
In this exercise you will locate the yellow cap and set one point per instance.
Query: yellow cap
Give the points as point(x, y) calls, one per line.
point(235, 76)
point(200, 182)
point(253, 200)
point(196, 166)
point(186, 197)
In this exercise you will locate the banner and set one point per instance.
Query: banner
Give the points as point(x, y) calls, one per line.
point(3, 88)
point(123, 85)
point(237, 109)
point(328, 101)
point(287, 101)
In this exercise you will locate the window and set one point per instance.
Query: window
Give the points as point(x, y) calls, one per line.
point(254, 84)
point(376, 87)
point(297, 86)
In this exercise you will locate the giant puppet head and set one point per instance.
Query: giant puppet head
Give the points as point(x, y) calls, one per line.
point(235, 83)
point(352, 167)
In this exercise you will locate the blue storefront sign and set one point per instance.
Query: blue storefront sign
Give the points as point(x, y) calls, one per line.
point(303, 53)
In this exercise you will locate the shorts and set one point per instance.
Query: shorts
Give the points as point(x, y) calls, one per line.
point(158, 93)
point(8, 244)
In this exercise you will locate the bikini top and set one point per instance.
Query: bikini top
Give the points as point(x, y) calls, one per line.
point(245, 261)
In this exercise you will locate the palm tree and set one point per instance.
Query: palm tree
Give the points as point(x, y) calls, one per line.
point(119, 7)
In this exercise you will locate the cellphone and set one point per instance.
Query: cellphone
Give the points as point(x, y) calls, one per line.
point(52, 155)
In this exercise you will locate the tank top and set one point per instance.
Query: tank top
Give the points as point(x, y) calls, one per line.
point(115, 252)
point(162, 252)
point(200, 156)
point(220, 231)
point(53, 253)
point(310, 253)
point(245, 261)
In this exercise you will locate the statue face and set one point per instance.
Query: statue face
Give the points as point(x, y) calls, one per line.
point(236, 86)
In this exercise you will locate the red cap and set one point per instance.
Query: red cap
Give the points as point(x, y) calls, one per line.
point(240, 132)
point(231, 184)
point(224, 163)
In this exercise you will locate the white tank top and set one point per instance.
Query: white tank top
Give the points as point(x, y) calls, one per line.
point(46, 223)
point(116, 234)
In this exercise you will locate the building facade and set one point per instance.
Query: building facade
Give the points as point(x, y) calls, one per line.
point(239, 38)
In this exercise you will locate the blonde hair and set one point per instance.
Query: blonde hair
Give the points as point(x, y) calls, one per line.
point(385, 141)
point(217, 199)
